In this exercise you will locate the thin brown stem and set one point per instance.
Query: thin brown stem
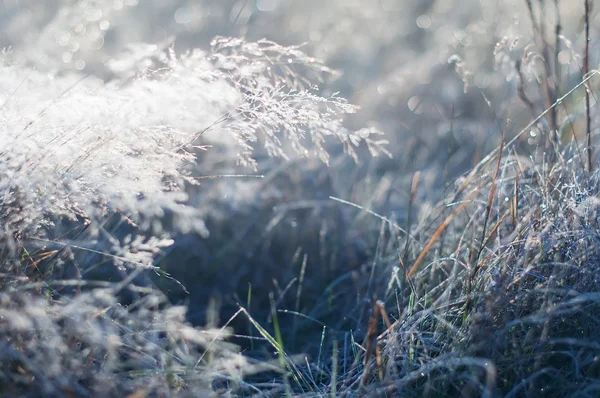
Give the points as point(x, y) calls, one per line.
point(586, 70)
point(557, 30)
point(548, 90)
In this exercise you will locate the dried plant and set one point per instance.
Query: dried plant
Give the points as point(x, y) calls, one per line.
point(170, 227)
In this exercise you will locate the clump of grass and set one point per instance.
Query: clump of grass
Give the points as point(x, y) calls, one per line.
point(93, 345)
point(534, 299)
point(93, 178)
point(512, 310)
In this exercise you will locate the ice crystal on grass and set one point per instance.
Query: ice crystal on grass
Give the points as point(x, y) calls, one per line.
point(84, 347)
point(280, 106)
point(75, 146)
point(93, 177)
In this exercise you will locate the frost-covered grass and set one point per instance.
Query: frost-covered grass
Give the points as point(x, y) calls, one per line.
point(207, 214)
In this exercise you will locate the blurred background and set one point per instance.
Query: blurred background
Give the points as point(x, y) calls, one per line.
point(440, 78)
point(412, 66)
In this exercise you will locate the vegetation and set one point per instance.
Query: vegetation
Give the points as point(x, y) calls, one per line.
point(181, 221)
